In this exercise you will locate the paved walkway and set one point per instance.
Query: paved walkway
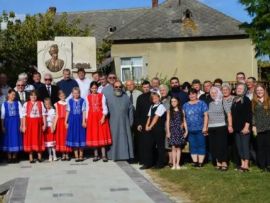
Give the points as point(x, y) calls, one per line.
point(68, 182)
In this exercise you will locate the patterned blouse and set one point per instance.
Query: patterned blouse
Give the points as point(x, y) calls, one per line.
point(261, 118)
point(194, 114)
point(217, 112)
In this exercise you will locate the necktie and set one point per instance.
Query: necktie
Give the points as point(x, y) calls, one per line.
point(131, 97)
point(49, 90)
point(21, 96)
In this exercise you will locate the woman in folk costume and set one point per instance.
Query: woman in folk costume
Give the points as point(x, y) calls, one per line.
point(11, 116)
point(98, 131)
point(75, 123)
point(34, 124)
point(60, 128)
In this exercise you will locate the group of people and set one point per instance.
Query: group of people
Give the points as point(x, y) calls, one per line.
point(150, 126)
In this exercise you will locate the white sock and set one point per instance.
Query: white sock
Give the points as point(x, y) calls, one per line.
point(50, 152)
point(54, 153)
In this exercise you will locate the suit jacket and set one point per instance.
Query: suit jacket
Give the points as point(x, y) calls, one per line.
point(43, 93)
point(136, 94)
point(142, 108)
point(27, 97)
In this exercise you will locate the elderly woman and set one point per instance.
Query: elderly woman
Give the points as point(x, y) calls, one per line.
point(227, 100)
point(195, 112)
point(165, 100)
point(242, 120)
point(227, 96)
point(217, 128)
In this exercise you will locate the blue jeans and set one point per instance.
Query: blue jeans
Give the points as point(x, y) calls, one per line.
point(197, 142)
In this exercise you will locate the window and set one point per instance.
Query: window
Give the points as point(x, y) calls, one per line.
point(132, 69)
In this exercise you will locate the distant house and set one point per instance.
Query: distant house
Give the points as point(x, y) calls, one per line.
point(184, 38)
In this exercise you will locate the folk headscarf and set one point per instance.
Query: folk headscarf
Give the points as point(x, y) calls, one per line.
point(219, 95)
point(241, 96)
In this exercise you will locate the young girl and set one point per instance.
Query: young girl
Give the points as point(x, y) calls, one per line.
point(11, 115)
point(75, 123)
point(155, 126)
point(49, 133)
point(98, 131)
point(175, 124)
point(34, 124)
point(59, 126)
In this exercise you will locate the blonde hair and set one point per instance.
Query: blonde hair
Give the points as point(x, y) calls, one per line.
point(76, 89)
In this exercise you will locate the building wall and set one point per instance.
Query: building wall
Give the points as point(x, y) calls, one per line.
point(205, 60)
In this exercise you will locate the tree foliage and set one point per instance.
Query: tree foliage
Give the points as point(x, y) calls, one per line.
point(18, 42)
point(259, 27)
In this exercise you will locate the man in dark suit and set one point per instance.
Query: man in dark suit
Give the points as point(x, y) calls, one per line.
point(49, 90)
point(21, 95)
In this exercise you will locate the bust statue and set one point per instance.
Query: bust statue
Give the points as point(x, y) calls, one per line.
point(54, 64)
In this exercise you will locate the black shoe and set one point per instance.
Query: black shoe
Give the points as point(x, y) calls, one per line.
point(159, 166)
point(96, 158)
point(200, 165)
point(32, 162)
point(145, 167)
point(77, 160)
point(40, 160)
point(194, 164)
point(104, 159)
point(81, 159)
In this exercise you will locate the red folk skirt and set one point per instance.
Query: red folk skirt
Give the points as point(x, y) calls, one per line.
point(33, 137)
point(61, 136)
point(97, 135)
point(49, 138)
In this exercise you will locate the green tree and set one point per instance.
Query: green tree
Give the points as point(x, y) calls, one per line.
point(259, 27)
point(18, 42)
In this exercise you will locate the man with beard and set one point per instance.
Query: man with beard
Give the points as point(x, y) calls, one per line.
point(121, 120)
point(108, 89)
point(141, 115)
point(177, 92)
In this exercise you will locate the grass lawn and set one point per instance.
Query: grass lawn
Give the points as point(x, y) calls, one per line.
point(209, 185)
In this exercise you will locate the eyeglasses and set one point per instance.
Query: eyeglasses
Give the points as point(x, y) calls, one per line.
point(111, 77)
point(117, 87)
point(48, 79)
point(20, 85)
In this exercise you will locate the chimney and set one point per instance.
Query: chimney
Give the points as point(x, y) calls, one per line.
point(154, 3)
point(52, 10)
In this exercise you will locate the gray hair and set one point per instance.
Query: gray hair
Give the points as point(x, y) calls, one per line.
point(48, 74)
point(22, 76)
point(165, 87)
point(19, 81)
point(226, 85)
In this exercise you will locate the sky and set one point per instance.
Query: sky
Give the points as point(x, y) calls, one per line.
point(21, 7)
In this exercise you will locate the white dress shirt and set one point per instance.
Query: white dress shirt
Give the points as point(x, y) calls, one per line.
point(84, 86)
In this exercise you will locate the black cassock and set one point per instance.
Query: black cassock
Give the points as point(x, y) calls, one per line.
point(141, 115)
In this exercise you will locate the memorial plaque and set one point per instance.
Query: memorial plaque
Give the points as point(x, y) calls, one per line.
point(53, 57)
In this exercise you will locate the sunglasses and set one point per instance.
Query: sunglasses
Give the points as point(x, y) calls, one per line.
point(117, 87)
point(112, 77)
point(48, 79)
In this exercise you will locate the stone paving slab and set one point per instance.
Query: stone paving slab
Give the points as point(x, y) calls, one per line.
point(69, 182)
